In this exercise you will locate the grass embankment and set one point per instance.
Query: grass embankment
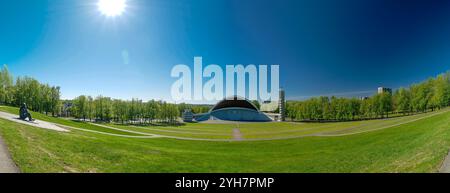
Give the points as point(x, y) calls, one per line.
point(67, 122)
point(273, 130)
point(419, 146)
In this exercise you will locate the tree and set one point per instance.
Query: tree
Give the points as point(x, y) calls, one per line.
point(81, 107)
point(90, 108)
point(440, 91)
point(355, 105)
point(103, 108)
point(366, 108)
point(6, 86)
point(386, 103)
point(152, 109)
point(420, 96)
point(402, 100)
point(120, 109)
point(326, 108)
point(55, 101)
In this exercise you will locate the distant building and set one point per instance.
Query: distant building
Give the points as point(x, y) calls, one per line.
point(382, 90)
point(269, 106)
point(364, 98)
point(188, 116)
point(276, 110)
point(66, 109)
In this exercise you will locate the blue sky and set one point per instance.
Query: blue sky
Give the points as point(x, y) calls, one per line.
point(345, 47)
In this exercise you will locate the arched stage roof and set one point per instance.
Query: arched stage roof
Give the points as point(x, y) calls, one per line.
point(234, 102)
point(234, 109)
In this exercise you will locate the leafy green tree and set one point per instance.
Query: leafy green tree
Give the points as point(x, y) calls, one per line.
point(152, 109)
point(420, 96)
point(55, 102)
point(80, 107)
point(402, 101)
point(6, 86)
point(386, 104)
point(440, 91)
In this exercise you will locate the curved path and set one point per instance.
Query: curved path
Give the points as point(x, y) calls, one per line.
point(179, 132)
point(35, 123)
point(7, 165)
point(445, 167)
point(146, 136)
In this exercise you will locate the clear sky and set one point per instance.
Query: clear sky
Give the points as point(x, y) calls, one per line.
point(342, 47)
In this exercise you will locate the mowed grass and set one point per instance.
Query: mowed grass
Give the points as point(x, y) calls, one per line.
point(275, 130)
point(419, 146)
point(66, 122)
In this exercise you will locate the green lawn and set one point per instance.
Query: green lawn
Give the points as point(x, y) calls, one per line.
point(275, 130)
point(67, 122)
point(418, 146)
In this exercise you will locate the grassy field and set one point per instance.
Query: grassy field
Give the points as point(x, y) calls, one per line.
point(277, 130)
point(66, 122)
point(407, 144)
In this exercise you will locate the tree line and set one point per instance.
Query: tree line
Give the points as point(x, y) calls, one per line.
point(106, 109)
point(195, 108)
point(44, 98)
point(39, 97)
point(135, 111)
point(431, 94)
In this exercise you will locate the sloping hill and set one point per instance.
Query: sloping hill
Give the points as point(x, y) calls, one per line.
point(418, 146)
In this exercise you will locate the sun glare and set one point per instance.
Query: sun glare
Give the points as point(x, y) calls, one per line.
point(112, 8)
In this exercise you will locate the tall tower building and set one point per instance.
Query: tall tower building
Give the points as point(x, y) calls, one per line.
point(282, 105)
point(382, 90)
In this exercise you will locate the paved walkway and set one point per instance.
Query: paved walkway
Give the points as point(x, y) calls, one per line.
point(237, 135)
point(6, 163)
point(36, 123)
point(445, 168)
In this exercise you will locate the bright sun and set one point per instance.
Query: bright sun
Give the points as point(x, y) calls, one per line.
point(112, 8)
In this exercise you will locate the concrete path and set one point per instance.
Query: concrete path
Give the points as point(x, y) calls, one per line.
point(123, 130)
point(36, 123)
point(445, 168)
point(237, 135)
point(180, 131)
point(111, 134)
point(6, 163)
